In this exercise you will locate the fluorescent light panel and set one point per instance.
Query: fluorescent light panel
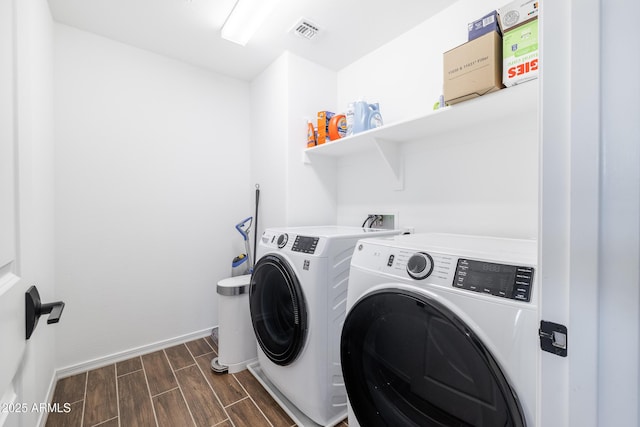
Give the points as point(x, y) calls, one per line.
point(245, 19)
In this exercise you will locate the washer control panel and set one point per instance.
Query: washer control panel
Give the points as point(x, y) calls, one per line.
point(305, 244)
point(507, 281)
point(289, 242)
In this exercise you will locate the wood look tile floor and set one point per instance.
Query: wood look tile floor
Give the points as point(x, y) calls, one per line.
point(173, 387)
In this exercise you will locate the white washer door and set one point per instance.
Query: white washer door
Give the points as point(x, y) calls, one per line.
point(408, 360)
point(278, 309)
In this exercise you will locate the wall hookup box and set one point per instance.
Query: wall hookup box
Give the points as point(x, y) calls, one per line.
point(473, 68)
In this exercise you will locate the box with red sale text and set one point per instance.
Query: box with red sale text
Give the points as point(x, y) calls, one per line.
point(520, 53)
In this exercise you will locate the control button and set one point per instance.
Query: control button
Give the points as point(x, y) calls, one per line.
point(521, 295)
point(282, 240)
point(390, 261)
point(420, 265)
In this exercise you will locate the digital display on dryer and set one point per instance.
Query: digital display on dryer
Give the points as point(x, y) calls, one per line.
point(507, 281)
point(305, 244)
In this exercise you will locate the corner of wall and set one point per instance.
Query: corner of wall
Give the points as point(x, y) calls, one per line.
point(287, 93)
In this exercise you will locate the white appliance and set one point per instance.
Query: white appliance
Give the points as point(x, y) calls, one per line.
point(298, 298)
point(442, 330)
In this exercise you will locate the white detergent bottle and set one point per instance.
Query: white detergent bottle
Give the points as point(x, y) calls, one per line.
point(366, 116)
point(374, 119)
point(350, 113)
point(360, 114)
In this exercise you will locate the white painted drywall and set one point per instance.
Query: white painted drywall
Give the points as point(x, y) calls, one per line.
point(481, 180)
point(269, 103)
point(405, 75)
point(312, 189)
point(152, 174)
point(288, 93)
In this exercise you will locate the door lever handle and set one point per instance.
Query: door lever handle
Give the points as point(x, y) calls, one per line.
point(34, 309)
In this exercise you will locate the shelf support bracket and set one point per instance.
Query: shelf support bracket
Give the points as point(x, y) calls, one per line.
point(306, 159)
point(390, 153)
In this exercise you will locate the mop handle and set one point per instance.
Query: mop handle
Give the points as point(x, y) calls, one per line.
point(255, 226)
point(241, 230)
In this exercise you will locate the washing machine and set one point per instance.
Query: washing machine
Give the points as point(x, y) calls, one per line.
point(297, 299)
point(442, 330)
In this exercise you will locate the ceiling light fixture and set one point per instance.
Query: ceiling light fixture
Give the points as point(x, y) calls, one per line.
point(245, 19)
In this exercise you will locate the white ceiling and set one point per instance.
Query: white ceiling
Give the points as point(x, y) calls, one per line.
point(189, 30)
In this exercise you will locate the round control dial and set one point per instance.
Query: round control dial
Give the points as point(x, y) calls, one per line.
point(420, 265)
point(282, 240)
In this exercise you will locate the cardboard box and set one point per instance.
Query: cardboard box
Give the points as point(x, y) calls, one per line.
point(484, 25)
point(516, 13)
point(323, 126)
point(473, 69)
point(520, 54)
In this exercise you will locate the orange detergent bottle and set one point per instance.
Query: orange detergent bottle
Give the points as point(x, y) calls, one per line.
point(337, 127)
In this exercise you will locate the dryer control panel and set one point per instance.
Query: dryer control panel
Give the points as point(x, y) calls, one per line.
point(305, 244)
point(507, 281)
point(491, 266)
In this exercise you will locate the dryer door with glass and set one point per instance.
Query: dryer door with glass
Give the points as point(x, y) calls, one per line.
point(278, 309)
point(408, 360)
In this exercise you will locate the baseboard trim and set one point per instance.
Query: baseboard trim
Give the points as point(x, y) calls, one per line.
point(42, 419)
point(127, 354)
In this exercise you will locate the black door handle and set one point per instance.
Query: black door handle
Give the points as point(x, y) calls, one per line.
point(34, 309)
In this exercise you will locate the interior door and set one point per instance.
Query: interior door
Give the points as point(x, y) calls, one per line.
point(12, 288)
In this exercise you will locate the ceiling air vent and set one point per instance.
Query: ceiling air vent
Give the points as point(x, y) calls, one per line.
point(305, 29)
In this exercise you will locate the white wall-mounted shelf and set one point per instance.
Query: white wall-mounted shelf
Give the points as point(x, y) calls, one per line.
point(520, 100)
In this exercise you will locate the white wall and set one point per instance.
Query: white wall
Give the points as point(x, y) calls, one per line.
point(312, 189)
point(479, 180)
point(290, 91)
point(269, 104)
point(35, 142)
point(500, 193)
point(405, 75)
point(151, 176)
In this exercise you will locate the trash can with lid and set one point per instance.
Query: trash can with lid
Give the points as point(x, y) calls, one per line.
point(237, 346)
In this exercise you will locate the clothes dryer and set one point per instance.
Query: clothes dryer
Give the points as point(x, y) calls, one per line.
point(298, 296)
point(442, 330)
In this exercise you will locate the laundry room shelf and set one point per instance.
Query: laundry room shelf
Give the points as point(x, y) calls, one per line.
point(517, 101)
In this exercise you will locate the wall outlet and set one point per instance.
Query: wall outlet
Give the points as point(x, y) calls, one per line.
point(382, 221)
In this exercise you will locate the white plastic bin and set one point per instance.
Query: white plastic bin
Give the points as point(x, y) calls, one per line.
point(237, 346)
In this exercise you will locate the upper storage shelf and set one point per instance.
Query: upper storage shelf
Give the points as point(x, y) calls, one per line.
point(520, 100)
